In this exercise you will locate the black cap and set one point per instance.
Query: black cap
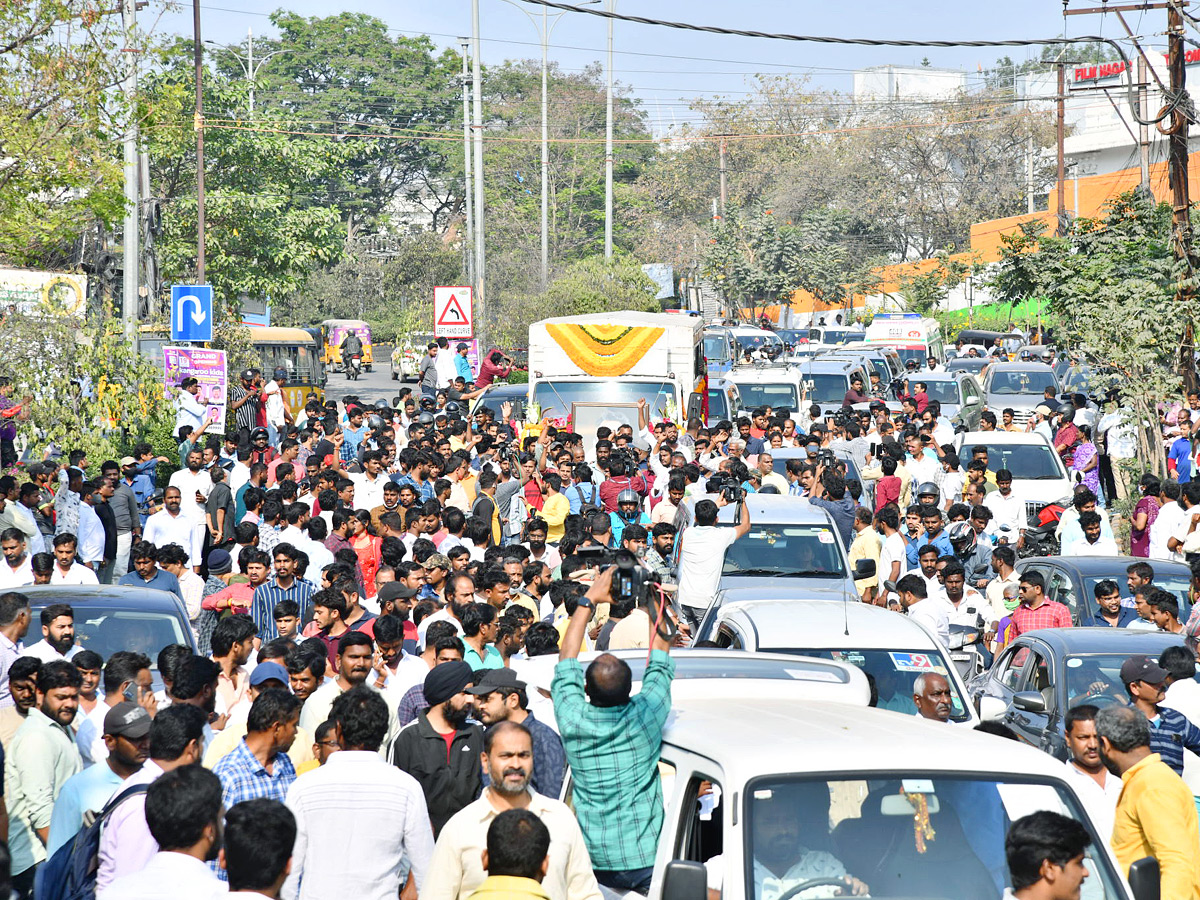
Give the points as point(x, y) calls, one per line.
point(495, 679)
point(1142, 668)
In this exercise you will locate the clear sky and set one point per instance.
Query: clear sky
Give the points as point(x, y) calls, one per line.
point(666, 68)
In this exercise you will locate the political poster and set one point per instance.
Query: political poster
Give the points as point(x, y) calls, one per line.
point(208, 367)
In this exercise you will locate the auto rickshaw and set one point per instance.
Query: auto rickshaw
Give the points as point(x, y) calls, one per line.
point(335, 331)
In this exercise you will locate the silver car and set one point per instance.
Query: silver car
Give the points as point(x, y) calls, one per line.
point(1019, 386)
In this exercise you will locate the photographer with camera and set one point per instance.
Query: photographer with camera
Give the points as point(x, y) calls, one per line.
point(623, 475)
point(829, 493)
point(702, 549)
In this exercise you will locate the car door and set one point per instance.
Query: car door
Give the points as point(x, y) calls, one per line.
point(1005, 675)
point(1060, 587)
point(1036, 676)
point(972, 406)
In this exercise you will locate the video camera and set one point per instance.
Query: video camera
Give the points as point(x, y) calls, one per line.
point(632, 583)
point(728, 487)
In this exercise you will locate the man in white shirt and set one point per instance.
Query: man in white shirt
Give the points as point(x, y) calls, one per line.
point(1093, 543)
point(91, 530)
point(368, 484)
point(893, 557)
point(183, 812)
point(58, 635)
point(358, 799)
point(1098, 788)
point(66, 570)
point(702, 549)
point(931, 613)
point(15, 571)
point(195, 484)
point(1006, 508)
point(1171, 520)
point(170, 525)
point(278, 413)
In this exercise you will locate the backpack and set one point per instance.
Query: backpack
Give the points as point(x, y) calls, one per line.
point(70, 874)
point(588, 506)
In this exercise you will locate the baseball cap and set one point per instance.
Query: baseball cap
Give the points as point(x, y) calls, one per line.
point(394, 590)
point(1142, 668)
point(128, 461)
point(127, 720)
point(265, 671)
point(437, 561)
point(1042, 409)
point(493, 680)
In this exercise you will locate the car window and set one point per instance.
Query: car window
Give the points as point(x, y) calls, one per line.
point(107, 630)
point(728, 638)
point(1008, 670)
point(699, 837)
point(1038, 677)
point(1060, 588)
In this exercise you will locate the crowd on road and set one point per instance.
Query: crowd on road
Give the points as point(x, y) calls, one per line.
point(359, 709)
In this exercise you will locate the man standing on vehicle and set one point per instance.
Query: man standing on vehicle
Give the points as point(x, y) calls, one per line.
point(1156, 813)
point(702, 549)
point(1170, 731)
point(613, 744)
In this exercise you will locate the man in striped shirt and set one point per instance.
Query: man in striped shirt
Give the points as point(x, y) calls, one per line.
point(284, 586)
point(1170, 730)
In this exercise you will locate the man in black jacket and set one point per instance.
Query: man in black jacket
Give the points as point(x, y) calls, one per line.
point(439, 748)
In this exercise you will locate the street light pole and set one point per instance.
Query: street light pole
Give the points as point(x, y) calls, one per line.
point(545, 151)
point(198, 124)
point(470, 201)
point(477, 124)
point(611, 6)
point(129, 264)
point(249, 69)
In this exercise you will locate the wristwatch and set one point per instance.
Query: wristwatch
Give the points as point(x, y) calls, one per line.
point(586, 603)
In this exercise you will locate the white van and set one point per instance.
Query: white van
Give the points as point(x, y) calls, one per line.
point(914, 337)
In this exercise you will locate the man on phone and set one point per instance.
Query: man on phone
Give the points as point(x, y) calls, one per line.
point(126, 678)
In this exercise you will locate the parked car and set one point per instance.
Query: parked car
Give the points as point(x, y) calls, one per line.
point(1042, 674)
point(109, 618)
point(1072, 580)
point(890, 648)
point(973, 364)
point(1019, 386)
point(1039, 477)
point(788, 538)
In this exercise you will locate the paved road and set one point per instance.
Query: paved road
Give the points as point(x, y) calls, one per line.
point(371, 386)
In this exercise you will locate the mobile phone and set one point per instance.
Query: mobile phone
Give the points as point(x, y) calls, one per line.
point(131, 692)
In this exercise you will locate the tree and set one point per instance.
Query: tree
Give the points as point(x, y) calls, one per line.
point(59, 123)
point(82, 385)
point(1112, 282)
point(266, 229)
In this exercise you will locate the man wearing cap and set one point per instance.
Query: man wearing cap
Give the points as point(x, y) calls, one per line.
point(462, 365)
point(127, 737)
point(440, 748)
point(1170, 731)
point(501, 697)
point(266, 675)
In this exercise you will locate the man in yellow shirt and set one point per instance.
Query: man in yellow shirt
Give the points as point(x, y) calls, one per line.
point(1156, 813)
point(555, 507)
point(516, 858)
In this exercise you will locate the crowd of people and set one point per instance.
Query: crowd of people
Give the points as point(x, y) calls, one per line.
point(369, 587)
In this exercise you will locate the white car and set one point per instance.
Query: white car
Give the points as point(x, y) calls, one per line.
point(1039, 476)
point(891, 649)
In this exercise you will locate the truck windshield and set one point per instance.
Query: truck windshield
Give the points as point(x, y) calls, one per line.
point(828, 388)
point(776, 396)
point(885, 828)
point(716, 348)
point(558, 398)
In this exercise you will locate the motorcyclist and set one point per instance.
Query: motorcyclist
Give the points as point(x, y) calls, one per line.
point(351, 347)
point(976, 557)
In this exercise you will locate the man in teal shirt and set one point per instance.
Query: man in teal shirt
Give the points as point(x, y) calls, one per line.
point(127, 737)
point(612, 742)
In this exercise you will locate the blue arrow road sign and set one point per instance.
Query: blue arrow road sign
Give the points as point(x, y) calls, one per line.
point(191, 312)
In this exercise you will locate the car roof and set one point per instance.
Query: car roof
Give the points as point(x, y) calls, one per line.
point(777, 509)
point(1020, 366)
point(1102, 639)
point(783, 623)
point(788, 736)
point(830, 363)
point(1107, 565)
point(1002, 437)
point(128, 595)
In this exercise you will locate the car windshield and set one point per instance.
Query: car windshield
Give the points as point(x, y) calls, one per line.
point(944, 392)
point(831, 336)
point(784, 551)
point(109, 627)
point(966, 364)
point(891, 674)
point(717, 407)
point(716, 348)
point(1086, 380)
point(767, 341)
point(1022, 381)
point(557, 398)
point(901, 833)
point(494, 400)
point(1033, 462)
point(1095, 678)
point(776, 396)
point(827, 388)
point(846, 464)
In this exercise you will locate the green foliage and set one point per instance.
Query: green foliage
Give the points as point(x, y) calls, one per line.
point(926, 292)
point(589, 286)
point(84, 388)
point(59, 123)
point(1112, 282)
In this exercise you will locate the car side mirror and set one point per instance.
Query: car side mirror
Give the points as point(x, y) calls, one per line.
point(685, 880)
point(864, 568)
point(1144, 879)
point(1029, 701)
point(991, 709)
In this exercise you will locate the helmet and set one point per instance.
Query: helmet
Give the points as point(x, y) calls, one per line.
point(911, 364)
point(962, 536)
point(628, 496)
point(427, 403)
point(1068, 413)
point(425, 418)
point(381, 404)
point(375, 423)
point(260, 433)
point(280, 374)
point(453, 408)
point(928, 488)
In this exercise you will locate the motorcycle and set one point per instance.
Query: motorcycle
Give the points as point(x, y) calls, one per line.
point(354, 367)
point(966, 650)
point(1040, 538)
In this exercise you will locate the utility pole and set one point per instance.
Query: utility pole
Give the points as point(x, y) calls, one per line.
point(130, 259)
point(1060, 125)
point(546, 149)
point(723, 191)
point(198, 124)
point(250, 69)
point(611, 6)
point(1143, 130)
point(477, 124)
point(469, 240)
point(1029, 175)
point(1178, 157)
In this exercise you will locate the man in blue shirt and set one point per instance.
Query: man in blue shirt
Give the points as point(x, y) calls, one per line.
point(1179, 457)
point(146, 572)
point(127, 737)
point(1170, 731)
